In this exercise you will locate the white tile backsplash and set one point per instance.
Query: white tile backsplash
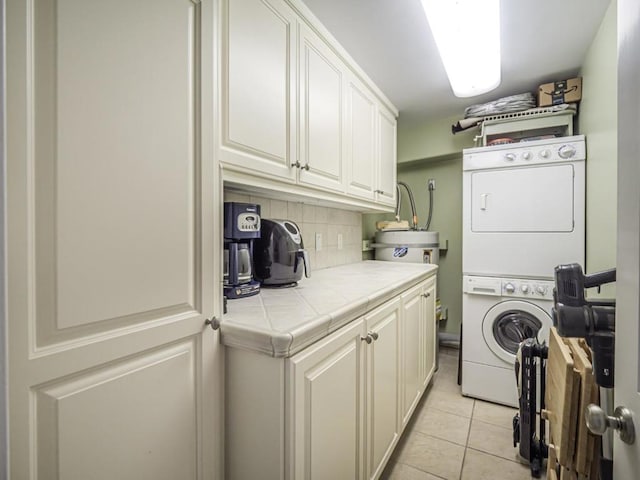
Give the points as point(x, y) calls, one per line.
point(279, 208)
point(312, 219)
point(309, 213)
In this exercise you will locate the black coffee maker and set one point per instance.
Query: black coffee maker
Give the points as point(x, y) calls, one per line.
point(241, 228)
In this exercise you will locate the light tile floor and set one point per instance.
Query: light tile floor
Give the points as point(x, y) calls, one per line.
point(454, 437)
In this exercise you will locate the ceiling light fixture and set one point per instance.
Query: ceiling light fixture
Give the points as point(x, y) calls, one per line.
point(467, 33)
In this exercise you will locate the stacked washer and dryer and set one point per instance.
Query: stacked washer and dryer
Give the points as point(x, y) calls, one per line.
point(523, 214)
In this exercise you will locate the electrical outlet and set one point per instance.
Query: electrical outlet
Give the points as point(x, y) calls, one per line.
point(366, 245)
point(318, 242)
point(339, 241)
point(431, 184)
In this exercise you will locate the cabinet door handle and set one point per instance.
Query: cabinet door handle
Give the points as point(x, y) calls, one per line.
point(373, 335)
point(213, 322)
point(426, 295)
point(297, 164)
point(367, 339)
point(306, 167)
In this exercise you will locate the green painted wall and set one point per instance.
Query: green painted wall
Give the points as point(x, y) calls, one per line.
point(446, 219)
point(598, 121)
point(432, 139)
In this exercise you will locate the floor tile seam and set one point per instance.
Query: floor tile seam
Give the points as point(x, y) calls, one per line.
point(416, 430)
point(496, 456)
point(464, 457)
point(437, 438)
point(473, 409)
point(450, 413)
point(422, 470)
point(464, 454)
point(492, 424)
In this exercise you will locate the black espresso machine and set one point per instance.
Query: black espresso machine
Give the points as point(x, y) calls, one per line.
point(241, 228)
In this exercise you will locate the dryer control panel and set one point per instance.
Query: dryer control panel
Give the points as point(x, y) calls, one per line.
point(542, 289)
point(509, 287)
point(556, 150)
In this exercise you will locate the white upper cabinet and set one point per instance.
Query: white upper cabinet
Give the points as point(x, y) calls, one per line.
point(361, 140)
point(321, 113)
point(298, 116)
point(387, 154)
point(259, 87)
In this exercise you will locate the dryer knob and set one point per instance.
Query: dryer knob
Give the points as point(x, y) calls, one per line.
point(510, 156)
point(509, 288)
point(567, 151)
point(541, 289)
point(526, 155)
point(545, 153)
point(525, 288)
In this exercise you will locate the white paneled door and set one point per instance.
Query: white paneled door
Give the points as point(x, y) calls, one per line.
point(626, 458)
point(112, 201)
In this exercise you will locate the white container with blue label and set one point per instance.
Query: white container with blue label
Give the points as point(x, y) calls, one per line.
point(411, 246)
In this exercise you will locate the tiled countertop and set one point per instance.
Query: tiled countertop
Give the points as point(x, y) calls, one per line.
point(281, 322)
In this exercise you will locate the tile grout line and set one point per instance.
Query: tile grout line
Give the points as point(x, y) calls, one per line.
point(422, 470)
point(466, 446)
point(496, 456)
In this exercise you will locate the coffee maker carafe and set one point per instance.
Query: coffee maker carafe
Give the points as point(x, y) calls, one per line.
point(241, 228)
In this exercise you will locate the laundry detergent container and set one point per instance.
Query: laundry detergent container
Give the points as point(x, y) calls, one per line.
point(413, 246)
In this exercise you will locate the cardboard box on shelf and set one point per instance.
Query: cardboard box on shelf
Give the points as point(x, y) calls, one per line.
point(563, 91)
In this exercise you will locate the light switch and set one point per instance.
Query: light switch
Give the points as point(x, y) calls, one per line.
point(318, 242)
point(339, 241)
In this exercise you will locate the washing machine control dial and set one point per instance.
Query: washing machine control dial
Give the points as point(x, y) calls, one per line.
point(545, 153)
point(509, 288)
point(526, 155)
point(525, 288)
point(541, 289)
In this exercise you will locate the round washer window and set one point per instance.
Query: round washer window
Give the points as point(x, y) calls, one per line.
point(509, 322)
point(513, 327)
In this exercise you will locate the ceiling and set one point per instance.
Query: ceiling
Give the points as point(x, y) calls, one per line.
point(542, 41)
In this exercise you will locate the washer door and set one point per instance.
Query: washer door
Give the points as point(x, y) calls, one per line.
point(508, 323)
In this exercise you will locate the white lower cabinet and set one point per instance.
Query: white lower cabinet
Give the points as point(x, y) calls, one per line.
point(327, 406)
point(382, 428)
point(418, 345)
point(428, 355)
point(336, 409)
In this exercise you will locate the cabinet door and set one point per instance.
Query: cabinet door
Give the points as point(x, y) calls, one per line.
point(386, 178)
point(361, 140)
point(383, 375)
point(430, 334)
point(112, 199)
point(259, 87)
point(413, 365)
point(321, 113)
point(326, 410)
